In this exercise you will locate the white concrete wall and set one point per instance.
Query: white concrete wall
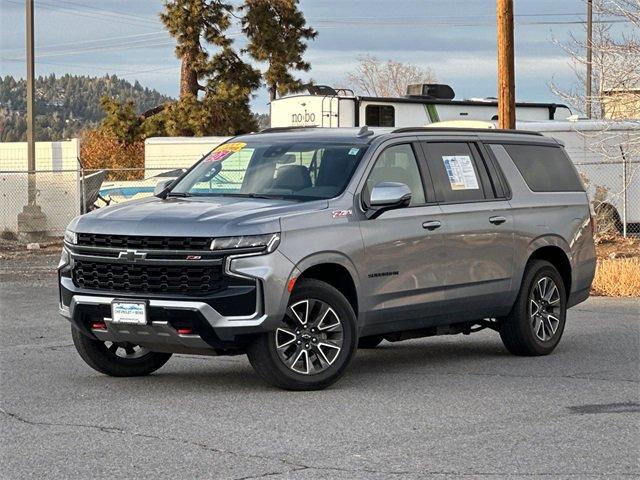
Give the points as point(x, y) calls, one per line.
point(162, 154)
point(57, 183)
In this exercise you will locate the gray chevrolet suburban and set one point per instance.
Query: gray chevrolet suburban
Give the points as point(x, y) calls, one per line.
point(298, 246)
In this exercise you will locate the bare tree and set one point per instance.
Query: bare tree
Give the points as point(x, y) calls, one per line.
point(615, 63)
point(386, 79)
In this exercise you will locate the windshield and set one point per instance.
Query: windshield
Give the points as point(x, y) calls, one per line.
point(300, 171)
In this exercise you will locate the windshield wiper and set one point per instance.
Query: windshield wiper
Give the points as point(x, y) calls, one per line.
point(252, 195)
point(179, 194)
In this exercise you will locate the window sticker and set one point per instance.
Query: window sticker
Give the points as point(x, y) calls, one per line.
point(354, 151)
point(461, 174)
point(230, 147)
point(223, 151)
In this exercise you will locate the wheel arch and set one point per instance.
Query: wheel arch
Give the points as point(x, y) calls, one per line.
point(559, 258)
point(336, 270)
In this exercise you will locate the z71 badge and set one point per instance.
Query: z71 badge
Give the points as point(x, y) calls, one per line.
point(341, 213)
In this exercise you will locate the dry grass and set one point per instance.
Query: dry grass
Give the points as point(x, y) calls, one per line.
point(617, 277)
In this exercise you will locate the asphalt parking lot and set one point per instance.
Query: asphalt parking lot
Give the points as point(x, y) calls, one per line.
point(445, 407)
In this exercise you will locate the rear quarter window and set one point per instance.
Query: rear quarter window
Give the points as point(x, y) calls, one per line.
point(545, 168)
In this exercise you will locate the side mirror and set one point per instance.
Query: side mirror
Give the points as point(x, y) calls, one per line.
point(161, 186)
point(388, 196)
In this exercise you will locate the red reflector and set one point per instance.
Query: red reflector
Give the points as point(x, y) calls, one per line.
point(185, 331)
point(98, 326)
point(291, 284)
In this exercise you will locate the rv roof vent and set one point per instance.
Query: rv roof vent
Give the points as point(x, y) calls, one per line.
point(321, 90)
point(430, 90)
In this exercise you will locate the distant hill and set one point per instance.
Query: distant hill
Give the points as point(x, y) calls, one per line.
point(66, 105)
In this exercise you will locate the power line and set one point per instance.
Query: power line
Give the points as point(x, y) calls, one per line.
point(55, 46)
point(137, 18)
point(86, 14)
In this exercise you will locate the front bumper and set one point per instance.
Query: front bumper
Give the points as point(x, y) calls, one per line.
point(215, 330)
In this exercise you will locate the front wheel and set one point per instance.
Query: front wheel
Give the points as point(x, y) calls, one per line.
point(117, 359)
point(314, 343)
point(536, 322)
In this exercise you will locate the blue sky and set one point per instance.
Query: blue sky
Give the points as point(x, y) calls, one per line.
point(456, 38)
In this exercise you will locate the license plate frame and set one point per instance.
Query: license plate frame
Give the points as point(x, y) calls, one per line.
point(129, 312)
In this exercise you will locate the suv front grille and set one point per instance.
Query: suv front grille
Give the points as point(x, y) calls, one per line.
point(141, 278)
point(143, 242)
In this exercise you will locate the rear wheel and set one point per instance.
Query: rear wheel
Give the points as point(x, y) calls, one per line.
point(536, 322)
point(117, 359)
point(314, 343)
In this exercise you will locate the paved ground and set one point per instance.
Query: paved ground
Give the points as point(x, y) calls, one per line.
point(445, 407)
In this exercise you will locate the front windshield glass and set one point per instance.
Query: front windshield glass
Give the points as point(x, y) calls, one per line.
point(300, 171)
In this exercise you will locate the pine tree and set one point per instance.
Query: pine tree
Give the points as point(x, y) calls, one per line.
point(121, 120)
point(189, 21)
point(276, 30)
point(228, 93)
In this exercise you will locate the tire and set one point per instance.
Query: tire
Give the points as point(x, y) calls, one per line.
point(319, 314)
point(370, 342)
point(98, 356)
point(522, 331)
point(608, 219)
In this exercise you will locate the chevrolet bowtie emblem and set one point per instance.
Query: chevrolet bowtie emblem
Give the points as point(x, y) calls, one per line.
point(132, 255)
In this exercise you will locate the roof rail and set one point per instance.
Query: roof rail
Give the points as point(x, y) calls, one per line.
point(468, 130)
point(286, 129)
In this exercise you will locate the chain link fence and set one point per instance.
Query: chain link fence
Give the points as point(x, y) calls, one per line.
point(608, 161)
point(64, 189)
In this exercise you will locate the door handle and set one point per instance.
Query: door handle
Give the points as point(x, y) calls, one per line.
point(431, 225)
point(497, 220)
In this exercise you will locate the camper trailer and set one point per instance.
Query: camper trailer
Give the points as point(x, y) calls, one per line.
point(324, 106)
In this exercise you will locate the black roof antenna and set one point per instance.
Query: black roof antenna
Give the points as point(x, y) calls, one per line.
point(364, 132)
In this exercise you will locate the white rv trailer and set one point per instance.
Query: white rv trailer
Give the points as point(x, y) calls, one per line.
point(607, 155)
point(426, 103)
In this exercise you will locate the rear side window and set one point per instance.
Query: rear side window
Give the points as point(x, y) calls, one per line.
point(545, 169)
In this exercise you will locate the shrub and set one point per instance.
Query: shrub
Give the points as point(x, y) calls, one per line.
point(101, 150)
point(617, 277)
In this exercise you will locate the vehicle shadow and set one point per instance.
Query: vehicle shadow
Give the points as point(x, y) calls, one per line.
point(423, 353)
point(197, 374)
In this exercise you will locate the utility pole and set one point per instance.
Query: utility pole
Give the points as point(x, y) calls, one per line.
point(589, 57)
point(506, 69)
point(31, 222)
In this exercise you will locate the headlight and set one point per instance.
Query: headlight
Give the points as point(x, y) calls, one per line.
point(71, 237)
point(270, 242)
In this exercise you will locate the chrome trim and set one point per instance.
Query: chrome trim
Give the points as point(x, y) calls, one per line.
point(230, 272)
point(213, 317)
point(147, 261)
point(152, 251)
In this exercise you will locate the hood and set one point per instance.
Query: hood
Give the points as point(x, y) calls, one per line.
point(194, 216)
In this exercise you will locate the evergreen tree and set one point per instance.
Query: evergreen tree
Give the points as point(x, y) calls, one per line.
point(121, 120)
point(276, 31)
point(228, 93)
point(189, 21)
point(65, 105)
point(228, 82)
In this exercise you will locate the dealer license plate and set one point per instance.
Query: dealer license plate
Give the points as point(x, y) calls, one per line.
point(134, 313)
